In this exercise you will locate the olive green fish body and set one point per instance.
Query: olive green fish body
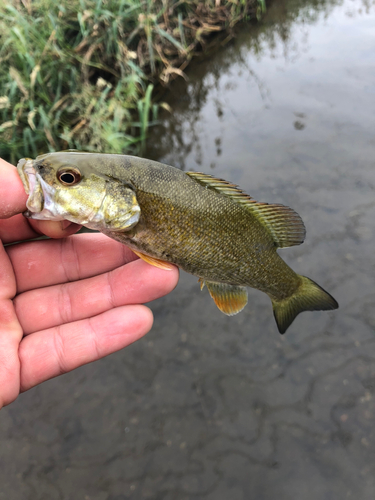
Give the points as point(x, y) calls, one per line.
point(176, 226)
point(206, 226)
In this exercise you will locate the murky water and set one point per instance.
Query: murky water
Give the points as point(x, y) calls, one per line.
point(219, 408)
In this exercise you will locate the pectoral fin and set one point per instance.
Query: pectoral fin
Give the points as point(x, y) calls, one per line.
point(230, 299)
point(161, 264)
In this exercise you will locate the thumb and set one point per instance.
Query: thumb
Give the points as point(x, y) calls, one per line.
point(12, 193)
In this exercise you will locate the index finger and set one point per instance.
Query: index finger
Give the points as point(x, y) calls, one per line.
point(49, 262)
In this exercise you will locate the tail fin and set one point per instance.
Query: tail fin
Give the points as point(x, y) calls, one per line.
point(308, 297)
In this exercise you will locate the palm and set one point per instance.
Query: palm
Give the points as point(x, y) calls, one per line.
point(67, 302)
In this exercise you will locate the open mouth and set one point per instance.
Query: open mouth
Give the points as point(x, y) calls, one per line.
point(27, 173)
point(32, 187)
point(40, 201)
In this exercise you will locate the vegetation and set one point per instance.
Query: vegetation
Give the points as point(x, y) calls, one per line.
point(80, 74)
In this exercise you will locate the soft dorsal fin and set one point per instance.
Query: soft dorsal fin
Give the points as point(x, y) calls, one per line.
point(284, 224)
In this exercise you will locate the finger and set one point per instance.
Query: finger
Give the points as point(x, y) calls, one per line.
point(134, 283)
point(16, 228)
point(10, 334)
point(12, 193)
point(53, 229)
point(49, 353)
point(49, 262)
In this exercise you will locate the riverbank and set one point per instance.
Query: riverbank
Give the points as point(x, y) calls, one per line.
point(83, 76)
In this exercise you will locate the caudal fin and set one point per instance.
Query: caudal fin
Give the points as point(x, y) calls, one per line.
point(308, 297)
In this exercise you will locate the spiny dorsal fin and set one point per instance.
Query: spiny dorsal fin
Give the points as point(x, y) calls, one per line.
point(284, 224)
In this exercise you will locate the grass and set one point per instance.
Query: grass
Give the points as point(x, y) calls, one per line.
point(81, 74)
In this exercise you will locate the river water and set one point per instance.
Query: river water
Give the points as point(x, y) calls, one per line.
point(219, 408)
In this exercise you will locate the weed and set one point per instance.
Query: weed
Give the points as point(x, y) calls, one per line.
point(81, 74)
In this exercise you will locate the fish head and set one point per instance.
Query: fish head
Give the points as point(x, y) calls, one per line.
point(71, 186)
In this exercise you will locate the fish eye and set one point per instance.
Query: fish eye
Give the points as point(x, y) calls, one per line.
point(69, 176)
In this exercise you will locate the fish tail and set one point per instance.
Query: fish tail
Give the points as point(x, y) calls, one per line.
point(308, 297)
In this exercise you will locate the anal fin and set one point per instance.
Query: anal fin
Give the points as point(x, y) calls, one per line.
point(230, 299)
point(161, 264)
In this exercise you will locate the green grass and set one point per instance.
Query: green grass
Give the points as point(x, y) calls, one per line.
point(80, 74)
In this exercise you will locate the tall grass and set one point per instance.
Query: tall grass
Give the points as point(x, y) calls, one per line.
point(80, 74)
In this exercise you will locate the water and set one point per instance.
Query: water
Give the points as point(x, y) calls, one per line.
point(218, 408)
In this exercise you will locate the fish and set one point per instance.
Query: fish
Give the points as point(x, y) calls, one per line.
point(206, 226)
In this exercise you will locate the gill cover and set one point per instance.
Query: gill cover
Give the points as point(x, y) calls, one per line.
point(119, 210)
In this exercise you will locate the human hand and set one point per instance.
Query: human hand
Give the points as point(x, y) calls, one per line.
point(64, 302)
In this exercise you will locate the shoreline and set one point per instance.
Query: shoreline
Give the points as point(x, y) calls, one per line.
point(84, 79)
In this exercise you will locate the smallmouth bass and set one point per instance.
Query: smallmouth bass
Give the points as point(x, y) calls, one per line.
point(206, 226)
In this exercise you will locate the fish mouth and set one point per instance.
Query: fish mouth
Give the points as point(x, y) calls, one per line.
point(40, 203)
point(27, 173)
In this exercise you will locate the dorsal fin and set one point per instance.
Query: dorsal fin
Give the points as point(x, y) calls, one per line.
point(284, 224)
